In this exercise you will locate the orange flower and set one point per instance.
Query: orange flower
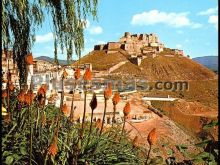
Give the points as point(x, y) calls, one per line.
point(4, 94)
point(65, 74)
point(152, 137)
point(98, 124)
point(53, 149)
point(21, 96)
point(41, 92)
point(44, 86)
point(135, 141)
point(77, 73)
point(87, 75)
point(127, 109)
point(93, 103)
point(66, 110)
point(11, 87)
point(116, 99)
point(29, 97)
point(29, 59)
point(108, 92)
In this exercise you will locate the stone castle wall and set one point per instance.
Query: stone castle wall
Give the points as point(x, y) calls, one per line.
point(113, 45)
point(133, 44)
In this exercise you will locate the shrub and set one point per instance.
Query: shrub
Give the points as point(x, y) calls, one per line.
point(45, 135)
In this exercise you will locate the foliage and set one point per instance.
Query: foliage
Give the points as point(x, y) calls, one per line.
point(111, 147)
point(37, 134)
point(21, 18)
point(208, 144)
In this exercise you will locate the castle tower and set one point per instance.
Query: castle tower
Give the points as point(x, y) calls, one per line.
point(127, 35)
point(143, 37)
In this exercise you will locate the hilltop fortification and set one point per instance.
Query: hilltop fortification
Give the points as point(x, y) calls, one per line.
point(134, 44)
point(138, 47)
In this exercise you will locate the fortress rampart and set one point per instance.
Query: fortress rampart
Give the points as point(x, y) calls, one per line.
point(133, 44)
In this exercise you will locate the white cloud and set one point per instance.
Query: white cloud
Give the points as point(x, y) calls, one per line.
point(212, 14)
point(209, 11)
point(213, 19)
point(91, 28)
point(172, 19)
point(178, 46)
point(95, 30)
point(44, 38)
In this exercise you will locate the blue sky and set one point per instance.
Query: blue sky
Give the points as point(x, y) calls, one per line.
point(191, 25)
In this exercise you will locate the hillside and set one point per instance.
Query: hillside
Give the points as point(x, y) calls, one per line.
point(210, 62)
point(49, 59)
point(102, 61)
point(159, 68)
point(168, 68)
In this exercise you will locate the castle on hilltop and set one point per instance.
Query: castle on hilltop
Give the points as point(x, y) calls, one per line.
point(134, 44)
point(139, 46)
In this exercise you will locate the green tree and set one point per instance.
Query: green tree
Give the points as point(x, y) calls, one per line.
point(21, 18)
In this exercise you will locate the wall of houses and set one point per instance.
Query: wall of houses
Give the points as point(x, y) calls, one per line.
point(42, 66)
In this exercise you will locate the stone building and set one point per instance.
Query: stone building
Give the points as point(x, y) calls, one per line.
point(178, 52)
point(83, 67)
point(42, 66)
point(7, 63)
point(133, 44)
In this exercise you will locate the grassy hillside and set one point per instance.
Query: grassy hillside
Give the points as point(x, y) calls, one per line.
point(158, 68)
point(205, 92)
point(101, 60)
point(168, 68)
point(174, 68)
point(128, 68)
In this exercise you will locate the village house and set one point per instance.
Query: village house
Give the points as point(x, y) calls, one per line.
point(7, 63)
point(178, 52)
point(43, 66)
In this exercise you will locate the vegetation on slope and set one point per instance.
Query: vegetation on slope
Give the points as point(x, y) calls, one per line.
point(129, 69)
point(174, 68)
point(100, 60)
point(168, 68)
point(204, 92)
